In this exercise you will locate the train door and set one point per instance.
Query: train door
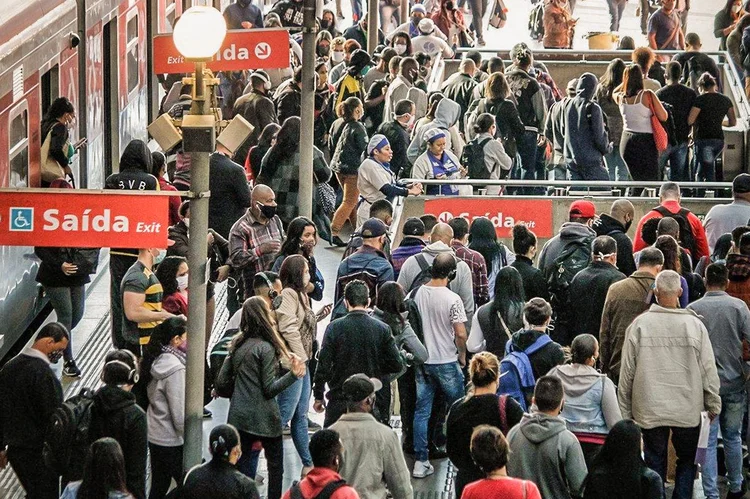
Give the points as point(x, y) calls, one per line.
point(110, 65)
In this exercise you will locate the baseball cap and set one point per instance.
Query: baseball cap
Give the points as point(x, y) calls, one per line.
point(583, 209)
point(358, 387)
point(413, 227)
point(374, 227)
point(741, 184)
point(426, 26)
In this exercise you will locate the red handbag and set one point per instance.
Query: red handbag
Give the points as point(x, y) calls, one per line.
point(660, 133)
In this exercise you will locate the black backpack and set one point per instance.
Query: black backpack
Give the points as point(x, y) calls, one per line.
point(325, 493)
point(425, 273)
point(687, 240)
point(369, 277)
point(473, 158)
point(536, 22)
point(69, 436)
point(572, 259)
point(413, 314)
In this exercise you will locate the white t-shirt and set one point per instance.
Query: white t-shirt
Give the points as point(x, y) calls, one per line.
point(440, 308)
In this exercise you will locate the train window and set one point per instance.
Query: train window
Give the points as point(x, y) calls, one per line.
point(171, 12)
point(132, 50)
point(19, 147)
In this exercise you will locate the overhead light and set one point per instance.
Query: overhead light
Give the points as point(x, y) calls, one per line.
point(199, 33)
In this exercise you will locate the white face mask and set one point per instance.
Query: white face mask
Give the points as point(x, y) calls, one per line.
point(182, 282)
point(337, 57)
point(736, 8)
point(160, 257)
point(400, 48)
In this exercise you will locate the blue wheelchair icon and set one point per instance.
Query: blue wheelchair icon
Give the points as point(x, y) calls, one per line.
point(22, 219)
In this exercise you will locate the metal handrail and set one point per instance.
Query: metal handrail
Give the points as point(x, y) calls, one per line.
point(567, 183)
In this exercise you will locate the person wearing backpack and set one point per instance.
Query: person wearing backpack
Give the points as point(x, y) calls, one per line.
point(681, 98)
point(29, 395)
point(586, 140)
point(323, 481)
point(485, 156)
point(543, 449)
point(481, 407)
point(692, 234)
point(694, 62)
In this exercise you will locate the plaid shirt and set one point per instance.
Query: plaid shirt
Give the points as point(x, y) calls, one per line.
point(478, 267)
point(245, 239)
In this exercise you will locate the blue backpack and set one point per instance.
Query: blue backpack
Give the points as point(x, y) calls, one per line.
point(516, 375)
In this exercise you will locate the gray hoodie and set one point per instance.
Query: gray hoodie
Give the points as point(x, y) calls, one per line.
point(166, 395)
point(586, 140)
point(569, 231)
point(590, 399)
point(545, 452)
point(461, 285)
point(446, 116)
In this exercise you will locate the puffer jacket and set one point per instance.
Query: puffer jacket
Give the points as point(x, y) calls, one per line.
point(348, 142)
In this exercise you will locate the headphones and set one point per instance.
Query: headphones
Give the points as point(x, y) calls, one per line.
point(133, 376)
point(273, 295)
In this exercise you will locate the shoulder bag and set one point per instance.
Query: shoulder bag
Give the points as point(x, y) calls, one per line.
point(661, 138)
point(51, 169)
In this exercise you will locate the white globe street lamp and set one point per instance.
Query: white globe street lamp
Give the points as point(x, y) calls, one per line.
point(199, 33)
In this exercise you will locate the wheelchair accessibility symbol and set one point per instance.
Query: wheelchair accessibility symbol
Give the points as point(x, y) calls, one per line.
point(21, 219)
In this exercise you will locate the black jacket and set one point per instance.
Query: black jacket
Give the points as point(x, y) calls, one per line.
point(218, 252)
point(289, 102)
point(604, 483)
point(534, 284)
point(29, 394)
point(398, 137)
point(217, 479)
point(50, 270)
point(544, 359)
point(116, 415)
point(230, 195)
point(608, 226)
point(259, 111)
point(346, 156)
point(355, 343)
point(588, 290)
point(357, 33)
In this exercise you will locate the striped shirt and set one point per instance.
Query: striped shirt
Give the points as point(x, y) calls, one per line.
point(140, 279)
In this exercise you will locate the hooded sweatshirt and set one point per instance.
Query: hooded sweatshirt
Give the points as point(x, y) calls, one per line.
point(608, 226)
point(447, 114)
point(569, 231)
point(590, 399)
point(586, 139)
point(461, 285)
point(549, 455)
point(166, 395)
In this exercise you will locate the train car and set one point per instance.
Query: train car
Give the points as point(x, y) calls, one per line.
point(96, 53)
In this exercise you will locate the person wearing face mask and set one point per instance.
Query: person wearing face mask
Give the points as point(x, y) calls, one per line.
point(257, 108)
point(141, 300)
point(411, 27)
point(163, 373)
point(256, 237)
point(173, 276)
point(450, 20)
point(323, 45)
point(351, 85)
point(57, 150)
point(401, 43)
point(29, 394)
point(616, 225)
point(396, 130)
point(243, 15)
point(342, 58)
point(134, 175)
point(376, 180)
point(328, 23)
point(301, 238)
point(403, 87)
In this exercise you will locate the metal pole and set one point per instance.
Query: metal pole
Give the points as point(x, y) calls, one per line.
point(307, 116)
point(404, 11)
point(197, 255)
point(373, 23)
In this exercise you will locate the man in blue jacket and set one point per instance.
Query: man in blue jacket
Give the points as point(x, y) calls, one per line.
point(586, 137)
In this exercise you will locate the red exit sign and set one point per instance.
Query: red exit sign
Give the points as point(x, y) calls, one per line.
point(242, 49)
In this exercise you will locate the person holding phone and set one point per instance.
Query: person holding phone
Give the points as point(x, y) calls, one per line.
point(437, 162)
point(57, 150)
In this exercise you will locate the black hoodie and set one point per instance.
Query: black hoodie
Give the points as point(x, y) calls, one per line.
point(117, 416)
point(608, 226)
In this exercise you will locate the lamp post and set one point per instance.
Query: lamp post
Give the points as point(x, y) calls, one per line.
point(198, 35)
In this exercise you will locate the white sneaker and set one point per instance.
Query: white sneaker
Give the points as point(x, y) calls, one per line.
point(422, 469)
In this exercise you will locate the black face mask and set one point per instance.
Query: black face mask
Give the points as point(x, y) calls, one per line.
point(323, 51)
point(628, 224)
point(267, 211)
point(325, 24)
point(55, 356)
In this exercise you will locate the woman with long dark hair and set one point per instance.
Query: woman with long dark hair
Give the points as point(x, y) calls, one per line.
point(725, 21)
point(496, 321)
point(612, 79)
point(524, 247)
point(672, 261)
point(347, 142)
point(103, 474)
point(173, 276)
point(255, 157)
point(619, 471)
point(637, 145)
point(250, 377)
point(401, 43)
point(280, 170)
point(301, 238)
point(57, 151)
point(482, 406)
point(483, 239)
point(163, 373)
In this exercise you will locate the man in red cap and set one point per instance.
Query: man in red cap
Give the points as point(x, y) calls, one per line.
point(565, 255)
point(692, 234)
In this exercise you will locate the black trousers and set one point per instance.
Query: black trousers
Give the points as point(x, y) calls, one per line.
point(118, 267)
point(166, 464)
point(37, 480)
point(274, 449)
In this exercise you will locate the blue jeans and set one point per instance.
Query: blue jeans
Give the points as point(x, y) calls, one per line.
point(68, 303)
point(616, 166)
point(294, 402)
point(616, 8)
point(706, 152)
point(679, 168)
point(527, 150)
point(685, 441)
point(730, 421)
point(356, 10)
point(449, 379)
point(578, 172)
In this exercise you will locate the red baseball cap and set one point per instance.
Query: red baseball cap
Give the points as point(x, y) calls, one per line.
point(583, 209)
